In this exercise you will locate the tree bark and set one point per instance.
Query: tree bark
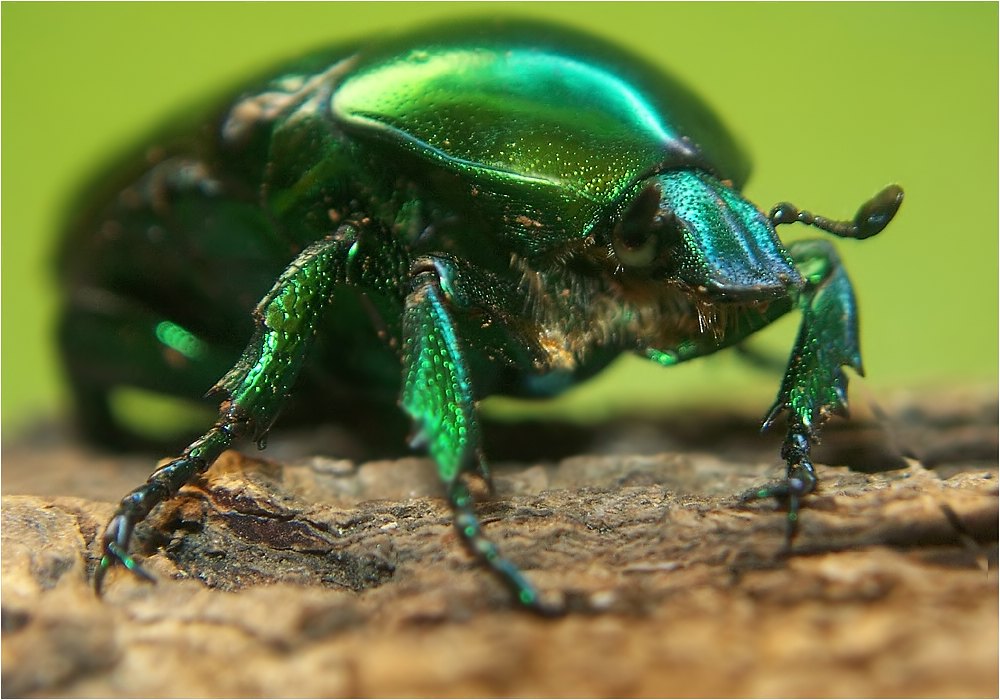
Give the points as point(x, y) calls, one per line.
point(313, 576)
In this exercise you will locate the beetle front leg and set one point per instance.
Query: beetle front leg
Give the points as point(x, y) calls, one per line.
point(437, 393)
point(815, 385)
point(287, 319)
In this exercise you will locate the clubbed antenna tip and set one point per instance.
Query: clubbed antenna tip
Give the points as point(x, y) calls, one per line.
point(873, 216)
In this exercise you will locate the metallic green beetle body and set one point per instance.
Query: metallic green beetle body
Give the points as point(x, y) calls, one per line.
point(453, 214)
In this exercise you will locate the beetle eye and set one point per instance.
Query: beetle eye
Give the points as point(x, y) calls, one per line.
point(634, 247)
point(644, 231)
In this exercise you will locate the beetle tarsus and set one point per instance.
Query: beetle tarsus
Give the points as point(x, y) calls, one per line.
point(161, 485)
point(117, 553)
point(800, 482)
point(470, 530)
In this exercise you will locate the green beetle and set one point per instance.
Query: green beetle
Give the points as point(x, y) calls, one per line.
point(489, 208)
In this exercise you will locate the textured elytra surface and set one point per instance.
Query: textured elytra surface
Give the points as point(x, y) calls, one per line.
point(318, 576)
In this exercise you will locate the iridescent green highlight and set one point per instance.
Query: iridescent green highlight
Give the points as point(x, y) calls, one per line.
point(177, 338)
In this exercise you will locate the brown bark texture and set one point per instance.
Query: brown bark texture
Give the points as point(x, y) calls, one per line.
point(282, 574)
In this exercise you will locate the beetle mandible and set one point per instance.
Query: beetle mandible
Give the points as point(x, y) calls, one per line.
point(488, 208)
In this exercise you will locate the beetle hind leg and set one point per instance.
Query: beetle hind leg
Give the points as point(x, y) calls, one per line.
point(257, 386)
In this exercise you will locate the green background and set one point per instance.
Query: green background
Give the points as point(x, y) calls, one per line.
point(833, 101)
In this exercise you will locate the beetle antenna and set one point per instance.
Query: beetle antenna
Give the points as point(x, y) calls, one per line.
point(873, 216)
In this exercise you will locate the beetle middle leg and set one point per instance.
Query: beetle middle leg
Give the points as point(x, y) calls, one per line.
point(437, 393)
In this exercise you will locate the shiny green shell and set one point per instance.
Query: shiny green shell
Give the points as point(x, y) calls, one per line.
point(535, 112)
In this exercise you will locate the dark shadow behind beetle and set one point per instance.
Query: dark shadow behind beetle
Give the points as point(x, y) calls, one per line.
point(426, 221)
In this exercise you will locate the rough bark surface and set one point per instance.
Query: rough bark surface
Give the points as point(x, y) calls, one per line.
point(325, 577)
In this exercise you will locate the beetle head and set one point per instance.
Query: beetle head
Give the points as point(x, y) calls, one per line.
point(687, 226)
